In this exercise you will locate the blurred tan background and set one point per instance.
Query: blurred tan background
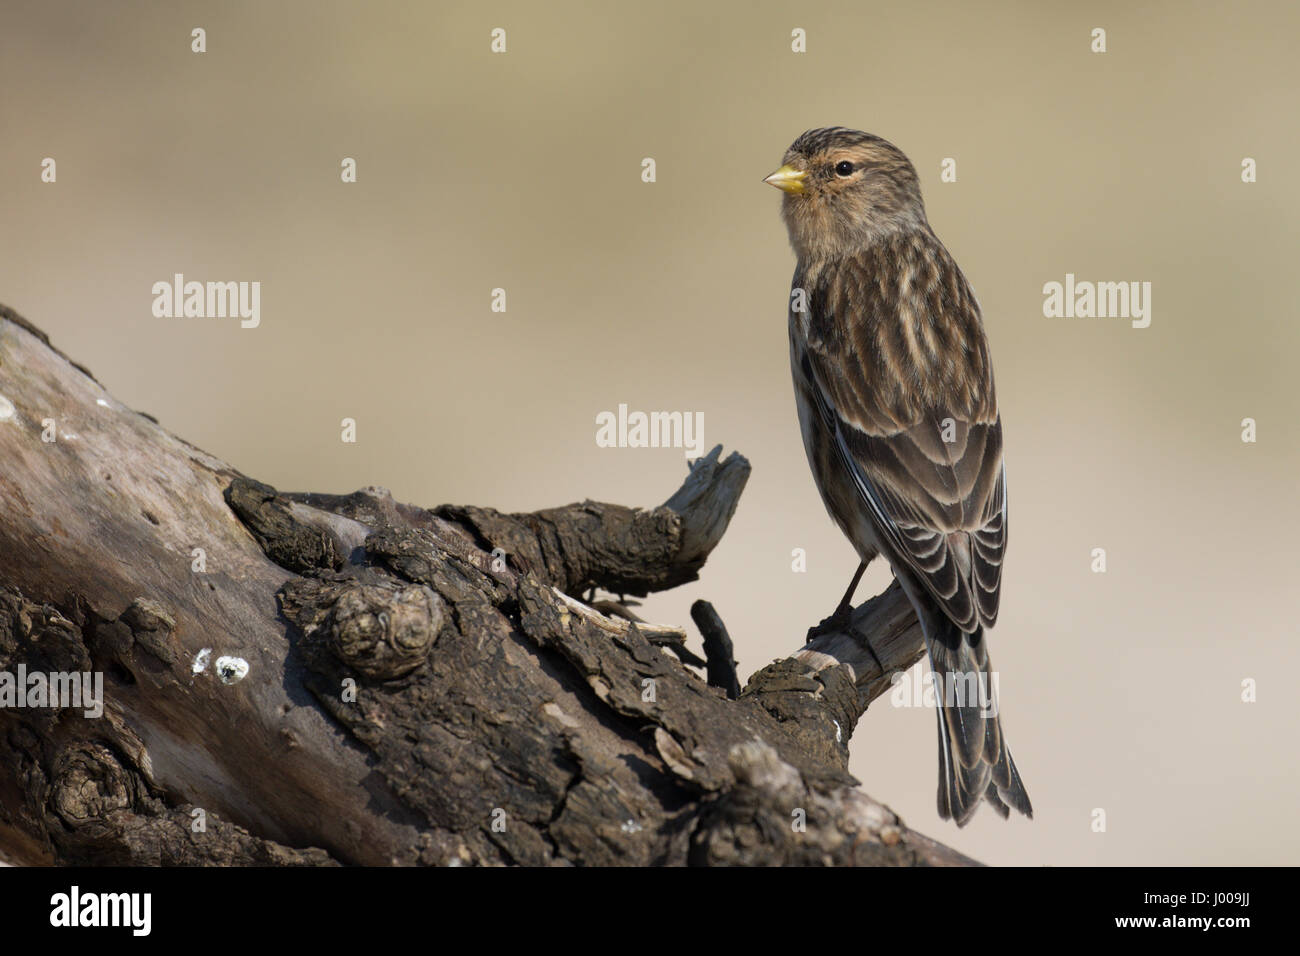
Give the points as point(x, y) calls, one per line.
point(1120, 691)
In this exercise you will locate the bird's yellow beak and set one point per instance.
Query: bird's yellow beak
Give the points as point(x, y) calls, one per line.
point(788, 179)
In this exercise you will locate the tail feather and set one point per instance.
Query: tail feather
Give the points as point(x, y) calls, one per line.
point(974, 759)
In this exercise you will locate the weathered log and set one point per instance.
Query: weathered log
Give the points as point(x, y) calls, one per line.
point(349, 679)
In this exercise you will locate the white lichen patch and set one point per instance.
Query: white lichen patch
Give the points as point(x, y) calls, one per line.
point(201, 660)
point(757, 763)
point(860, 814)
point(7, 411)
point(100, 401)
point(231, 670)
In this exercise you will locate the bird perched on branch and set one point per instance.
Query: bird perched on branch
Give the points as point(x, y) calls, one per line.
point(900, 421)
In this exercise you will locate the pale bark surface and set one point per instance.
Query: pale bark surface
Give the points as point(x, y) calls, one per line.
point(497, 716)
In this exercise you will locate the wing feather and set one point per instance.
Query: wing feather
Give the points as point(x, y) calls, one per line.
point(918, 432)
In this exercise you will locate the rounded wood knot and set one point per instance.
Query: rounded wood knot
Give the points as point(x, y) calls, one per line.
point(383, 633)
point(88, 783)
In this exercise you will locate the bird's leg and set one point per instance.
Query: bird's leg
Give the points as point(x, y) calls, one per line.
point(846, 602)
point(841, 619)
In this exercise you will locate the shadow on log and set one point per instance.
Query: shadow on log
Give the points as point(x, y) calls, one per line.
point(309, 679)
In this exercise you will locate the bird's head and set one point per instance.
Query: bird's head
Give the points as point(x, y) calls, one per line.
point(844, 189)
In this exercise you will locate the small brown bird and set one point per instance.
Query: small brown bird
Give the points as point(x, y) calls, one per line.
point(894, 386)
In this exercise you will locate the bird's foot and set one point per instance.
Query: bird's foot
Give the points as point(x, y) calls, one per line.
point(838, 621)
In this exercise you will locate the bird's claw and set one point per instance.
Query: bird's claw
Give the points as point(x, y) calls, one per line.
point(838, 621)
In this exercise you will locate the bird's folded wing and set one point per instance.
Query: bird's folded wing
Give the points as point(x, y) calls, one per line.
point(929, 471)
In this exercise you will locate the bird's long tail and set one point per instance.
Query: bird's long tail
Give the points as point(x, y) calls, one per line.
point(974, 759)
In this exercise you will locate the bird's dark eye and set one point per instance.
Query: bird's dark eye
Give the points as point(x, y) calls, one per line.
point(843, 168)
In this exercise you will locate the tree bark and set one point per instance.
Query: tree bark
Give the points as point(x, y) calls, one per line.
point(310, 679)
